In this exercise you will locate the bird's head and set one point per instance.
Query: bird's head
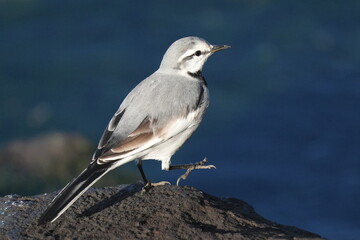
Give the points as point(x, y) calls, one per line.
point(188, 55)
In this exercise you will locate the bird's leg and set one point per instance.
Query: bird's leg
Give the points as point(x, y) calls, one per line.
point(147, 184)
point(139, 165)
point(190, 167)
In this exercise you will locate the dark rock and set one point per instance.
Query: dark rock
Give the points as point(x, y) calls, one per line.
point(125, 212)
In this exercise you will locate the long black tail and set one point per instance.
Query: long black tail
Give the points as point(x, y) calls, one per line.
point(72, 191)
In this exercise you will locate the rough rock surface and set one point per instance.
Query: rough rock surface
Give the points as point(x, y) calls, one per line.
point(125, 212)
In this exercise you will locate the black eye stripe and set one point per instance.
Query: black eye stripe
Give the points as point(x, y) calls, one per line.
point(197, 53)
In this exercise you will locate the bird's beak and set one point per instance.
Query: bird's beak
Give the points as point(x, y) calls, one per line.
point(215, 48)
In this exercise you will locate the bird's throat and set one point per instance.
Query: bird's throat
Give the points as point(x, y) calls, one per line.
point(198, 75)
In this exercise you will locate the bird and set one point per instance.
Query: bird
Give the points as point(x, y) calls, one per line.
point(152, 123)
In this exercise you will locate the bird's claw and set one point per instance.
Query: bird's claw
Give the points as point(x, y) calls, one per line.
point(150, 185)
point(198, 165)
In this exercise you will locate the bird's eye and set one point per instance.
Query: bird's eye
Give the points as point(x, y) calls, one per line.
point(198, 53)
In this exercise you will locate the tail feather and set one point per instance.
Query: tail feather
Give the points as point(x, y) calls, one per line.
point(72, 191)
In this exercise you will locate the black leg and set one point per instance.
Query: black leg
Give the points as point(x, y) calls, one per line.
point(139, 165)
point(148, 185)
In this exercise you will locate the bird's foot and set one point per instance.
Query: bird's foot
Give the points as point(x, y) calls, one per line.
point(150, 185)
point(190, 167)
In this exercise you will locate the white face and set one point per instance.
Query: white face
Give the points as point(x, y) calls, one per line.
point(194, 59)
point(188, 55)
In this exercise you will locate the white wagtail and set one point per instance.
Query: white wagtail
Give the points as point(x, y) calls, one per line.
point(152, 122)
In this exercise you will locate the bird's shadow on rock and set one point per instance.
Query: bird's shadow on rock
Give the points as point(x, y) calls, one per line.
point(116, 198)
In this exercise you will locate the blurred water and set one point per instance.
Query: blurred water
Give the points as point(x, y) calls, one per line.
point(283, 125)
